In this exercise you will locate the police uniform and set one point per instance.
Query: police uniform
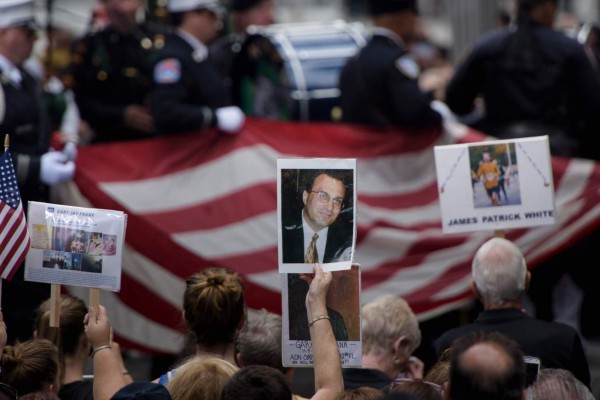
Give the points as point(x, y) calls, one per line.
point(110, 71)
point(188, 86)
point(224, 51)
point(379, 84)
point(559, 97)
point(23, 117)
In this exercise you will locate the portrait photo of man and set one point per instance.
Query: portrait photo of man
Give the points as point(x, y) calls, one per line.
point(317, 215)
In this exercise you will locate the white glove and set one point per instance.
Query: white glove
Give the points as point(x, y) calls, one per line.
point(55, 168)
point(70, 150)
point(230, 119)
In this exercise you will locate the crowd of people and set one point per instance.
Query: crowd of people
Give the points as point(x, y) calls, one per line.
point(239, 356)
point(131, 78)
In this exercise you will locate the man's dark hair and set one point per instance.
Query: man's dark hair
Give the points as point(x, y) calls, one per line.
point(335, 174)
point(257, 382)
point(503, 378)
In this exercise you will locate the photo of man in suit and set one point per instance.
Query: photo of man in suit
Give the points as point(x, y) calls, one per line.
point(322, 232)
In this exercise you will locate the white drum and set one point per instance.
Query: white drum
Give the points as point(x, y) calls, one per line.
point(291, 71)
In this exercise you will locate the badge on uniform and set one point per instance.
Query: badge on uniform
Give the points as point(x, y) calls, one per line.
point(167, 71)
point(407, 67)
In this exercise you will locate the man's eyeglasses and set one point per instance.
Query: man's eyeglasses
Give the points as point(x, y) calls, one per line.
point(8, 391)
point(324, 197)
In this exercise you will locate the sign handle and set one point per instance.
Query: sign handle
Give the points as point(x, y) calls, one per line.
point(55, 305)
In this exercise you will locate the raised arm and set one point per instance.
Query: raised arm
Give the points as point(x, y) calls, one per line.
point(326, 356)
point(108, 373)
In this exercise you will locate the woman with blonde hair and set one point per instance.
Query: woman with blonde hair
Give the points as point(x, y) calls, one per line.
point(201, 378)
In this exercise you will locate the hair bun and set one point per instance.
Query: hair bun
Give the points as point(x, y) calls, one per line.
point(215, 280)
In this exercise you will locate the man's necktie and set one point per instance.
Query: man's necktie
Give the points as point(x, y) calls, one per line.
point(311, 253)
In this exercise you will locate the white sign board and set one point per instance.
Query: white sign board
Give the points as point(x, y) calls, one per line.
point(75, 246)
point(343, 308)
point(495, 185)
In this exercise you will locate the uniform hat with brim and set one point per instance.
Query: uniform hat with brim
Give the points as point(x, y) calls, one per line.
point(142, 391)
point(190, 5)
point(378, 7)
point(15, 13)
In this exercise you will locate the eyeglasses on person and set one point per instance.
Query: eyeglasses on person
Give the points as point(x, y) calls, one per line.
point(324, 197)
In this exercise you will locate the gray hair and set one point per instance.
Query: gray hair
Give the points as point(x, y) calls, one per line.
point(384, 320)
point(499, 271)
point(558, 384)
point(259, 342)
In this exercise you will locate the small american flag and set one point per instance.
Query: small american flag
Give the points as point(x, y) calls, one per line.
point(14, 237)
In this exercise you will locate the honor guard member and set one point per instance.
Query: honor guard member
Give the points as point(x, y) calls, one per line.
point(379, 84)
point(534, 81)
point(188, 93)
point(111, 71)
point(24, 118)
point(244, 13)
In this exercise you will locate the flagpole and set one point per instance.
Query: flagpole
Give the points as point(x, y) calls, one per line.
point(6, 144)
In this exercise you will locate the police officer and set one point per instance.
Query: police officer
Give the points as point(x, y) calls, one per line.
point(244, 13)
point(23, 117)
point(534, 81)
point(111, 71)
point(188, 92)
point(379, 85)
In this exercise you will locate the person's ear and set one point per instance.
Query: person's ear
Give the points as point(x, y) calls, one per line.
point(304, 197)
point(239, 360)
point(399, 352)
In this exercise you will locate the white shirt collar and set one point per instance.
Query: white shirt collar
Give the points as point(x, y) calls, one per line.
point(10, 71)
point(378, 30)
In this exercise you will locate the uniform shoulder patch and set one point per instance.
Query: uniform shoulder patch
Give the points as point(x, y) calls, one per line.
point(167, 71)
point(407, 67)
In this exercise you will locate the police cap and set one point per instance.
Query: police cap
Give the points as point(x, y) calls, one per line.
point(15, 13)
point(176, 6)
point(377, 7)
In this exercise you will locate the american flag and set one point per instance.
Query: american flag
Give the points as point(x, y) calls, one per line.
point(205, 199)
point(14, 237)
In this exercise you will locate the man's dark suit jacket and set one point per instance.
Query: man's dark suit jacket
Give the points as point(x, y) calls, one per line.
point(557, 345)
point(339, 238)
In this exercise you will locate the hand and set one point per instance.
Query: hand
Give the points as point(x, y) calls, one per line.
point(70, 150)
point(230, 119)
point(316, 298)
point(139, 118)
point(55, 168)
point(97, 327)
point(415, 368)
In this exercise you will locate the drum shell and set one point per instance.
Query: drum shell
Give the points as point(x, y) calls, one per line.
point(291, 71)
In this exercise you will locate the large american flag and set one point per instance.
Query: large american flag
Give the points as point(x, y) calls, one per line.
point(14, 237)
point(204, 199)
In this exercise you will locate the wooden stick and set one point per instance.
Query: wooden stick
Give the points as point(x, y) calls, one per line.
point(500, 234)
point(95, 298)
point(55, 305)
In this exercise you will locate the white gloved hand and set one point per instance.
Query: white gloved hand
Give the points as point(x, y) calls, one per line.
point(70, 150)
point(55, 168)
point(230, 119)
